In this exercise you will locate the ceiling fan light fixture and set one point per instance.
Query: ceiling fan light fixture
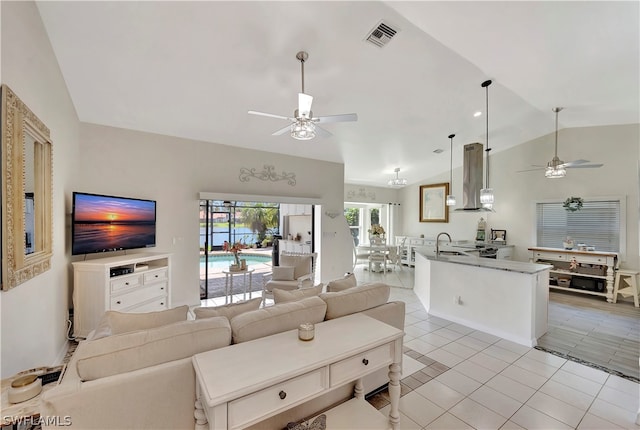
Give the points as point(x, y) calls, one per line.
point(303, 129)
point(397, 181)
point(555, 172)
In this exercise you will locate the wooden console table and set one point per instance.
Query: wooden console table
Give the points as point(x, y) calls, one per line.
point(234, 390)
point(606, 259)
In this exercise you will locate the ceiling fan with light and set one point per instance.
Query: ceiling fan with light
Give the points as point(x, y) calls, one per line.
point(303, 124)
point(556, 168)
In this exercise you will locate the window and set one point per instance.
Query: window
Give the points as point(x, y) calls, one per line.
point(361, 216)
point(597, 224)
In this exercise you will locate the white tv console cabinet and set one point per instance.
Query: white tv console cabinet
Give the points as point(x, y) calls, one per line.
point(235, 391)
point(98, 287)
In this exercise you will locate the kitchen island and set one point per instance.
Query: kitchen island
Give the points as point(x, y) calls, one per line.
point(508, 299)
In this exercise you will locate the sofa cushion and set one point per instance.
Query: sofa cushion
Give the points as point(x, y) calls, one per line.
point(113, 322)
point(139, 349)
point(301, 264)
point(283, 296)
point(277, 318)
point(282, 273)
point(230, 310)
point(355, 299)
point(342, 284)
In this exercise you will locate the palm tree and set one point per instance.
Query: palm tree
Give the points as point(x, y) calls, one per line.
point(260, 219)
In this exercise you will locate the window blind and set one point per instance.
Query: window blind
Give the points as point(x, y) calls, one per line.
point(596, 224)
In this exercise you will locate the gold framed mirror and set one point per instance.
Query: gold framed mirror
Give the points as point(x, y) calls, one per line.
point(26, 192)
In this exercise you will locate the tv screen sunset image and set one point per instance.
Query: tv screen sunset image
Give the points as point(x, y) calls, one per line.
point(105, 223)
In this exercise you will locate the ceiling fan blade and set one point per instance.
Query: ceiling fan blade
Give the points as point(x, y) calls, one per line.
point(585, 166)
point(282, 131)
point(531, 170)
point(270, 115)
point(574, 163)
point(304, 104)
point(322, 132)
point(336, 118)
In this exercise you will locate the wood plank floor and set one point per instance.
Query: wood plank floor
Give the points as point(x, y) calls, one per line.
point(590, 329)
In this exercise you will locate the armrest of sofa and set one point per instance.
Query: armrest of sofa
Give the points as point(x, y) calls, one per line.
point(138, 399)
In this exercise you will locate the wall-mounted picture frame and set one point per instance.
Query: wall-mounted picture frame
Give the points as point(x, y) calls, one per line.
point(499, 236)
point(433, 206)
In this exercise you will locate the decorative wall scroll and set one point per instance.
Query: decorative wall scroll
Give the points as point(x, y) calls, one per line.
point(362, 193)
point(268, 174)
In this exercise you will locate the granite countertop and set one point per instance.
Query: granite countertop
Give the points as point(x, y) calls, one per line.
point(490, 263)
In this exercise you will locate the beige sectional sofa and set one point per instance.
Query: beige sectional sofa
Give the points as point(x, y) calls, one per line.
point(145, 379)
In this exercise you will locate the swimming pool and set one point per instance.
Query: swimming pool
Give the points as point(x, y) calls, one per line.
point(222, 261)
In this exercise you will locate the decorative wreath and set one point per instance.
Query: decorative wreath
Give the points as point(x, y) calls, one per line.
point(573, 204)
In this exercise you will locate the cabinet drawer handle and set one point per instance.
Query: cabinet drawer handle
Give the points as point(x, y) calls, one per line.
point(161, 288)
point(118, 302)
point(126, 283)
point(282, 394)
point(156, 276)
point(161, 303)
point(365, 361)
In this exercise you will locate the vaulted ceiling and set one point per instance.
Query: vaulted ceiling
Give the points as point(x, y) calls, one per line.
point(194, 69)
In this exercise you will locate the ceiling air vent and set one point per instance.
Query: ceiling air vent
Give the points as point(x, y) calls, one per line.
point(381, 34)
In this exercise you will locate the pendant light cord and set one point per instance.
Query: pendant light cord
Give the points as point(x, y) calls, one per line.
point(486, 84)
point(451, 136)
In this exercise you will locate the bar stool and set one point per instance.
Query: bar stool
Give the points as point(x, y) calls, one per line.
point(630, 278)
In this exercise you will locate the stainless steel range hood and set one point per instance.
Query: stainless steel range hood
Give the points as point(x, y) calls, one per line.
point(472, 178)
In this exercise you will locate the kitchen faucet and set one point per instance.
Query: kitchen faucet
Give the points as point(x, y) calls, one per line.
point(438, 242)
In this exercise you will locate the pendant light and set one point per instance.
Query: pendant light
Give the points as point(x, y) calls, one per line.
point(486, 194)
point(451, 199)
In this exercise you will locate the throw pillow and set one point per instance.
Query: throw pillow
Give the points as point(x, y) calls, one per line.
point(355, 299)
point(282, 273)
point(342, 284)
point(283, 296)
point(113, 322)
point(230, 310)
point(300, 263)
point(277, 318)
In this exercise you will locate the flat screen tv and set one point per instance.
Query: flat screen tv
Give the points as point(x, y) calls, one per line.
point(109, 223)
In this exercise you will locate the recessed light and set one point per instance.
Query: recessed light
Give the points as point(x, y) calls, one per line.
point(438, 151)
point(477, 114)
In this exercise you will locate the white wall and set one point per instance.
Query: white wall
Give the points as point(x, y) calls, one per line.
point(34, 314)
point(174, 171)
point(615, 146)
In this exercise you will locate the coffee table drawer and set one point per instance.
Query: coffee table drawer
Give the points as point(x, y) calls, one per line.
point(270, 400)
point(351, 368)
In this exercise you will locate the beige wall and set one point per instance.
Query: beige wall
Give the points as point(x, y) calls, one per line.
point(174, 171)
point(34, 314)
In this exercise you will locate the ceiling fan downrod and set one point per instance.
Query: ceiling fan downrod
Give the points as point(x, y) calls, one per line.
point(302, 56)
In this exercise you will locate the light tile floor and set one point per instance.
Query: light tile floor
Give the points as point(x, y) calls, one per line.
point(457, 378)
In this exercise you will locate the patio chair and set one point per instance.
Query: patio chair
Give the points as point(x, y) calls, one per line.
point(296, 270)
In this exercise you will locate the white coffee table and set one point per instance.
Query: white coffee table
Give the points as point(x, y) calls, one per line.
point(234, 390)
